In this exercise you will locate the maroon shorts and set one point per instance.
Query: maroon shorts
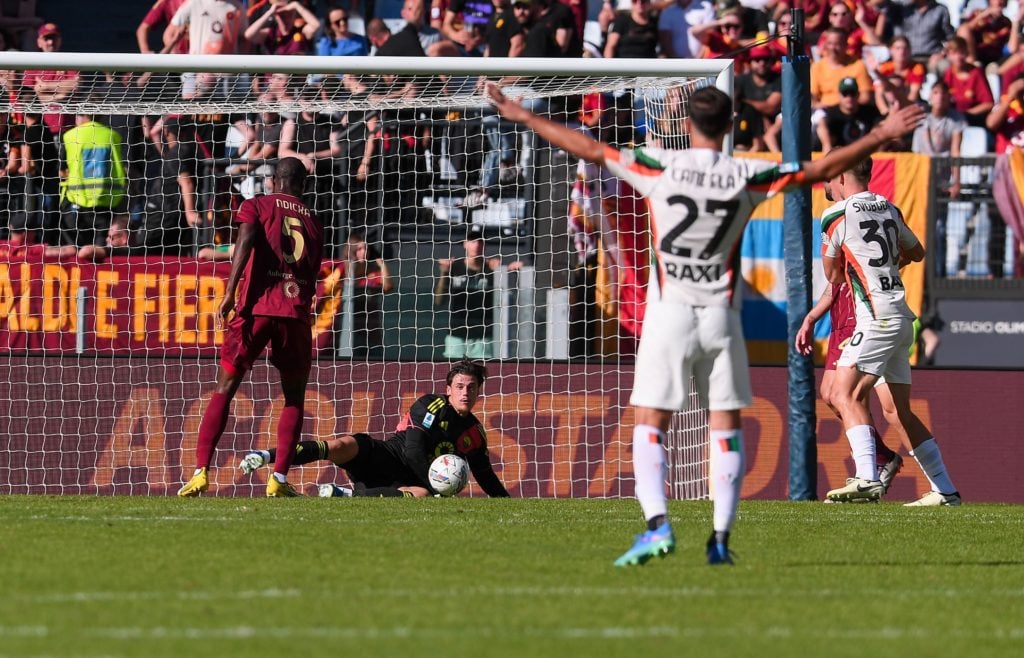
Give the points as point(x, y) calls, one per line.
point(290, 340)
point(836, 342)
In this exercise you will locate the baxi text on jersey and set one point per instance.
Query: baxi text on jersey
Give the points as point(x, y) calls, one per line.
point(890, 283)
point(887, 283)
point(695, 273)
point(702, 178)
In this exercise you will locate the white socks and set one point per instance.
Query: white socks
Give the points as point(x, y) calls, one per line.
point(727, 470)
point(929, 457)
point(280, 477)
point(650, 469)
point(862, 445)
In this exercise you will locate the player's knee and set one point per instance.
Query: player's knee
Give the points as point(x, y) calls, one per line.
point(229, 388)
point(846, 401)
point(828, 397)
point(343, 449)
point(228, 379)
point(224, 389)
point(839, 398)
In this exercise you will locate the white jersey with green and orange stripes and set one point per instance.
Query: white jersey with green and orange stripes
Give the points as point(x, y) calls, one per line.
point(699, 202)
point(868, 232)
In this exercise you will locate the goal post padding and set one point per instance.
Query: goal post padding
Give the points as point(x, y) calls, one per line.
point(80, 324)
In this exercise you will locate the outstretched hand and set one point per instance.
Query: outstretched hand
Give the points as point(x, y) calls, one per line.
point(902, 120)
point(505, 106)
point(559, 135)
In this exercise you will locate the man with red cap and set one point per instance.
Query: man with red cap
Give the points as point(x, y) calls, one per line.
point(758, 97)
point(52, 86)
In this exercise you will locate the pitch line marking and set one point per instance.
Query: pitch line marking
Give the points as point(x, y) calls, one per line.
point(527, 592)
point(103, 597)
point(776, 633)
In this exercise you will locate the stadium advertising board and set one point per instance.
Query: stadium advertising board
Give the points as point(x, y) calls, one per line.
point(981, 333)
point(114, 426)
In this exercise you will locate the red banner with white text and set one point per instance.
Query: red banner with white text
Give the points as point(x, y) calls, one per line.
point(129, 305)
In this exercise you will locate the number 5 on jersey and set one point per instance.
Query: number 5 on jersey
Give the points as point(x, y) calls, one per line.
point(291, 228)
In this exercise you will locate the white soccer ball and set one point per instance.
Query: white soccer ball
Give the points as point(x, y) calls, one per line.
point(448, 474)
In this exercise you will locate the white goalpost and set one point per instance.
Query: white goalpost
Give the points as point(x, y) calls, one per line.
point(114, 252)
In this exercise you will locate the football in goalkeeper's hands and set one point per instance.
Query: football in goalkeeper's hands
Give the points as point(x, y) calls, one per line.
point(448, 474)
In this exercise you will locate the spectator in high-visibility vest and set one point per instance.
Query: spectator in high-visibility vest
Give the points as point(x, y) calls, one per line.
point(94, 183)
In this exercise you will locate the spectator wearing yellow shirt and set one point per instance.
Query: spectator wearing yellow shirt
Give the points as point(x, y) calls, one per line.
point(835, 65)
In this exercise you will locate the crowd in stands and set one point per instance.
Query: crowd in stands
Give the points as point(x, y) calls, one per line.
point(868, 57)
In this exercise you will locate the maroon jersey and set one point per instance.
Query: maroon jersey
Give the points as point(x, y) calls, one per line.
point(844, 320)
point(280, 278)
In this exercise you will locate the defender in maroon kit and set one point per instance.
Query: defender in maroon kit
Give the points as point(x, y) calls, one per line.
point(270, 290)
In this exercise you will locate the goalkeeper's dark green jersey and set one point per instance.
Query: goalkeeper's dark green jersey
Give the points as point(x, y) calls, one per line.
point(433, 428)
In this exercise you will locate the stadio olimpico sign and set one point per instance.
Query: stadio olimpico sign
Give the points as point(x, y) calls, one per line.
point(980, 333)
point(985, 327)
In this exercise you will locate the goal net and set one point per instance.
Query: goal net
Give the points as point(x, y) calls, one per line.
point(449, 232)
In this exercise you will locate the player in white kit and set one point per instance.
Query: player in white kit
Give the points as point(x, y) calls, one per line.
point(700, 200)
point(865, 240)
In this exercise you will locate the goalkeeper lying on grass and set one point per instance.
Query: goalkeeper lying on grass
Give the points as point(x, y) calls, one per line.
point(435, 425)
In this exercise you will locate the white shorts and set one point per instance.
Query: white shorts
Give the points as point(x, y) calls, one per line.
point(680, 341)
point(881, 348)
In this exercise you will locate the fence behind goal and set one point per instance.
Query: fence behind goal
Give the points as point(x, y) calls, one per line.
point(119, 235)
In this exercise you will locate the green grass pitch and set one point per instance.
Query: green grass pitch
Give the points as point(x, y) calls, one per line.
point(138, 576)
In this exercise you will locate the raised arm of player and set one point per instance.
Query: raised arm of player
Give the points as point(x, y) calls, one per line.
point(899, 122)
point(240, 256)
point(576, 142)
